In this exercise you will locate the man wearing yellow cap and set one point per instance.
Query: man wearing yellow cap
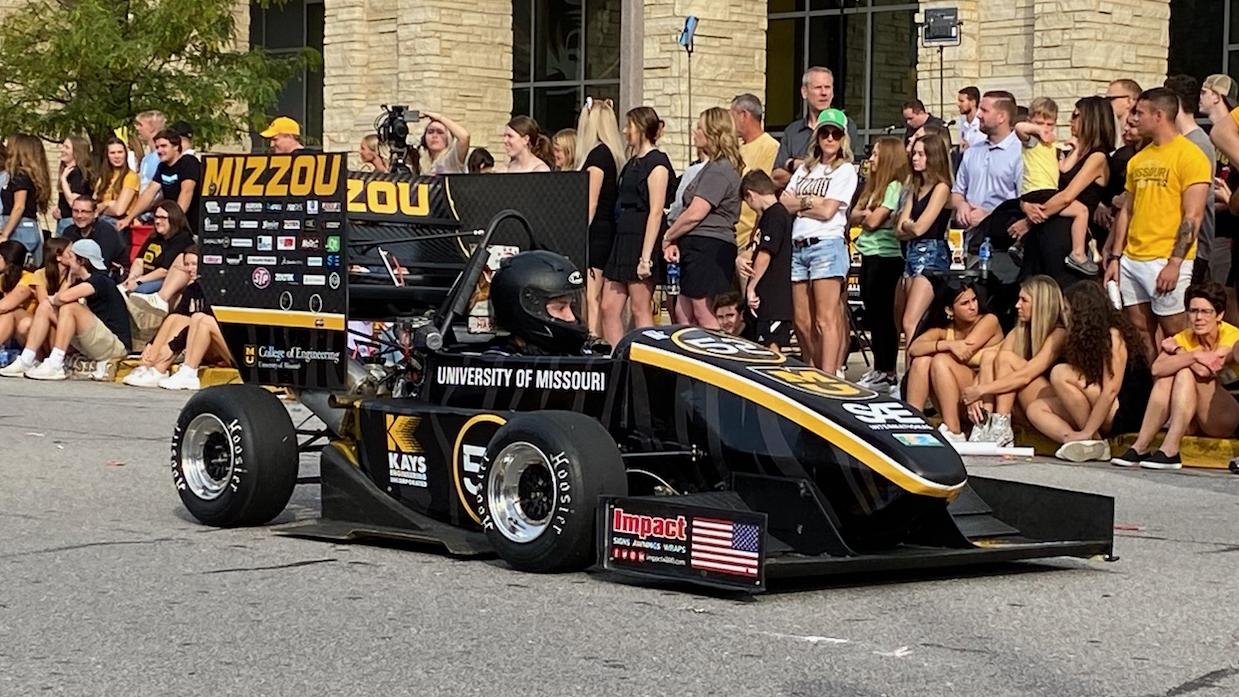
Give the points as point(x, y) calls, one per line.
point(285, 136)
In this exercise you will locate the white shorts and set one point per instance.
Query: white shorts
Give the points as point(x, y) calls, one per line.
point(1138, 284)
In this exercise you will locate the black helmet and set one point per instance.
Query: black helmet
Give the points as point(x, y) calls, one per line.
point(522, 288)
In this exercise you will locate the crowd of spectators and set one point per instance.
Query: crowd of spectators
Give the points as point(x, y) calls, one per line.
point(1097, 267)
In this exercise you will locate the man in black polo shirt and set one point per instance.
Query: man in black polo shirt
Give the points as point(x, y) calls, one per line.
point(88, 226)
point(768, 292)
point(98, 329)
point(817, 88)
point(176, 179)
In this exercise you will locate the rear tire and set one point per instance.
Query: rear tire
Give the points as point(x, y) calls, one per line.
point(234, 456)
point(541, 479)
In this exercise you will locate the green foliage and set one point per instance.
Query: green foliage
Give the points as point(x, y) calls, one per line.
point(89, 66)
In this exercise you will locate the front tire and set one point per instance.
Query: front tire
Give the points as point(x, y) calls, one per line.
point(542, 476)
point(234, 456)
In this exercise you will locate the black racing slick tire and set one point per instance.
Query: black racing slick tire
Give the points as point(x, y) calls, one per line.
point(541, 479)
point(234, 456)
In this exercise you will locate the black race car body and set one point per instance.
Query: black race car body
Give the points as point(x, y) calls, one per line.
point(682, 453)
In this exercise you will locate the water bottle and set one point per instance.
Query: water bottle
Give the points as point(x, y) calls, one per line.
point(985, 254)
point(1112, 288)
point(673, 278)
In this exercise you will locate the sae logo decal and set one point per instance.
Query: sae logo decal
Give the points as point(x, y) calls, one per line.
point(251, 355)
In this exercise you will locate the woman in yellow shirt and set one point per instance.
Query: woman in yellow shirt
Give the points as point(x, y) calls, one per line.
point(17, 298)
point(1190, 373)
point(117, 187)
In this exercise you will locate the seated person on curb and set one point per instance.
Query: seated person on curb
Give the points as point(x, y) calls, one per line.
point(946, 353)
point(1190, 373)
point(1016, 371)
point(1102, 383)
point(87, 226)
point(157, 356)
point(149, 310)
point(172, 236)
point(536, 297)
point(201, 340)
point(729, 311)
point(17, 297)
point(34, 286)
point(768, 278)
point(1041, 179)
point(98, 329)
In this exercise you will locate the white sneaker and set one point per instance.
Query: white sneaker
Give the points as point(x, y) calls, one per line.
point(897, 392)
point(1000, 430)
point(881, 382)
point(864, 379)
point(46, 371)
point(950, 436)
point(150, 300)
point(842, 373)
point(182, 379)
point(150, 378)
point(105, 371)
point(135, 375)
point(1084, 451)
point(16, 369)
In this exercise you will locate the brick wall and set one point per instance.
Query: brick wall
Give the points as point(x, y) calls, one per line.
point(729, 58)
point(428, 54)
point(1063, 49)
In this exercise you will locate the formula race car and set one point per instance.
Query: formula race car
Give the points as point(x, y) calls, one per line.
point(681, 453)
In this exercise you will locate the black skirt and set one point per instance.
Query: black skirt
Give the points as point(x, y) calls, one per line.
point(625, 252)
point(707, 266)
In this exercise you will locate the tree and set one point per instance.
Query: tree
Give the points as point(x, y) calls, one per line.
point(90, 66)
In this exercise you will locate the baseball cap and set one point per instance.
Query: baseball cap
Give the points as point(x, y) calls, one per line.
point(1223, 85)
point(832, 117)
point(183, 129)
point(89, 250)
point(282, 124)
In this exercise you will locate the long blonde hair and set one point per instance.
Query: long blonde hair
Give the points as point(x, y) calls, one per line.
point(598, 124)
point(722, 144)
point(27, 156)
point(892, 167)
point(1047, 315)
point(815, 152)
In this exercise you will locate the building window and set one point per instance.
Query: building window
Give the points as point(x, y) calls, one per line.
point(562, 51)
point(284, 29)
point(1199, 38)
point(869, 45)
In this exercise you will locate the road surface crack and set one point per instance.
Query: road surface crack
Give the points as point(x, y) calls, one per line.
point(69, 548)
point(293, 565)
point(1211, 679)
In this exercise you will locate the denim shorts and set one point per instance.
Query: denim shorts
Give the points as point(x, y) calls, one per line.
point(29, 234)
point(926, 258)
point(826, 259)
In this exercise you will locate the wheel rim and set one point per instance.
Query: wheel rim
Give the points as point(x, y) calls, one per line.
point(207, 457)
point(521, 492)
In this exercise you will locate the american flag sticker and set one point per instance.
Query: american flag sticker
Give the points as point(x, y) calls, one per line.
point(725, 547)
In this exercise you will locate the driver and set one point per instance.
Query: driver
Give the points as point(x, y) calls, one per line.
point(536, 297)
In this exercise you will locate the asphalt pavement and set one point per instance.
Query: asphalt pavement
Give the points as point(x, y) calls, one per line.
point(108, 587)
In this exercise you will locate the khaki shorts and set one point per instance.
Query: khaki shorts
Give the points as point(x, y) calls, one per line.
point(144, 323)
point(98, 343)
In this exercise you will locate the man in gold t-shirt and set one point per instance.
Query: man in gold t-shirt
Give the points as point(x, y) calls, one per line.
point(1154, 241)
point(758, 149)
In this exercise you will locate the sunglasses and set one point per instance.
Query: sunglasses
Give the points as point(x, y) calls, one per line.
point(831, 133)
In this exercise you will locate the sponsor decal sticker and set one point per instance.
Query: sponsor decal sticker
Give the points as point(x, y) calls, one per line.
point(292, 224)
point(230, 223)
point(212, 206)
point(291, 358)
point(334, 280)
point(814, 381)
point(333, 243)
point(703, 342)
point(286, 243)
point(234, 259)
point(537, 378)
point(270, 225)
point(266, 243)
point(467, 459)
point(286, 278)
point(918, 440)
point(253, 207)
point(643, 526)
point(406, 466)
point(255, 260)
point(287, 261)
point(260, 277)
point(887, 416)
point(249, 224)
point(275, 207)
point(331, 225)
point(209, 225)
point(313, 261)
point(212, 259)
point(331, 206)
point(314, 280)
point(294, 207)
point(333, 261)
point(215, 241)
point(241, 243)
point(311, 207)
point(232, 207)
point(251, 354)
point(311, 243)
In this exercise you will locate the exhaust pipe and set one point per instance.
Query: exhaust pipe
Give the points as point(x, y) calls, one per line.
point(358, 382)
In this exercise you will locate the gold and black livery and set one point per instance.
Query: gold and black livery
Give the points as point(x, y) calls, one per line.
point(680, 453)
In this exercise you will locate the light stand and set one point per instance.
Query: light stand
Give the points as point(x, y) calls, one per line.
point(941, 29)
point(686, 40)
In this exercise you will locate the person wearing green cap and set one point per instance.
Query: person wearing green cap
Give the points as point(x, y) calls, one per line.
point(817, 89)
point(819, 194)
